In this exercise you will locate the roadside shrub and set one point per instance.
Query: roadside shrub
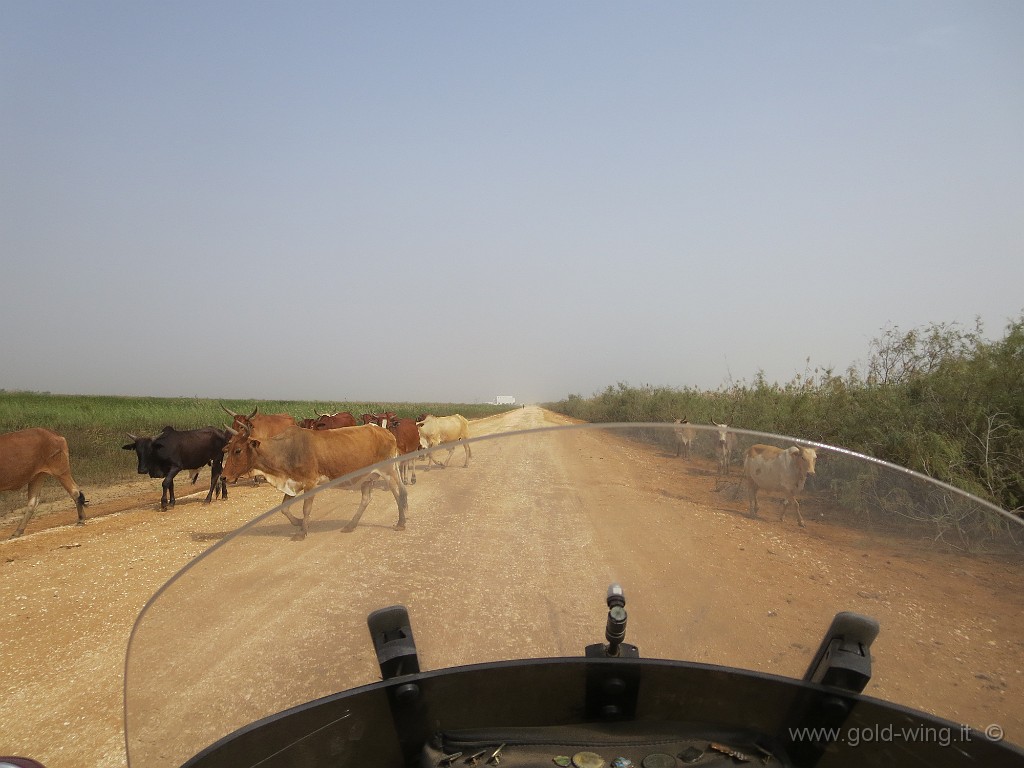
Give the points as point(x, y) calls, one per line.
point(940, 400)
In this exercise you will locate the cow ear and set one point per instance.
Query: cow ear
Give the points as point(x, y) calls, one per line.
point(129, 447)
point(254, 443)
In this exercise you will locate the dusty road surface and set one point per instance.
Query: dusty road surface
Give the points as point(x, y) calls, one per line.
point(551, 520)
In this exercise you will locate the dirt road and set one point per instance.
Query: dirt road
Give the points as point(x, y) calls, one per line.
point(71, 594)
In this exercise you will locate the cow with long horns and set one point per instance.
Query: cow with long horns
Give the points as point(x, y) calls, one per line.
point(262, 425)
point(298, 460)
point(172, 451)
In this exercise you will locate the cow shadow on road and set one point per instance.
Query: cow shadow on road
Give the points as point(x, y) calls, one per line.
point(285, 530)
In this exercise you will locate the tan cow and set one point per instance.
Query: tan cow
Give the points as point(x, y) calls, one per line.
point(767, 468)
point(444, 430)
point(725, 448)
point(685, 435)
point(298, 460)
point(26, 458)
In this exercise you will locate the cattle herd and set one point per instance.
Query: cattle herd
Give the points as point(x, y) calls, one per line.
point(296, 456)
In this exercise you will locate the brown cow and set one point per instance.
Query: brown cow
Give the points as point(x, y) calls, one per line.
point(334, 420)
point(380, 419)
point(768, 468)
point(26, 458)
point(297, 460)
point(443, 430)
point(407, 435)
point(260, 425)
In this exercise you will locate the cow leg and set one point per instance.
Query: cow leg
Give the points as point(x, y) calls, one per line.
point(213, 485)
point(401, 497)
point(449, 458)
point(796, 506)
point(752, 497)
point(468, 453)
point(33, 501)
point(284, 511)
point(307, 507)
point(431, 461)
point(223, 481)
point(75, 493)
point(168, 488)
point(366, 487)
point(215, 475)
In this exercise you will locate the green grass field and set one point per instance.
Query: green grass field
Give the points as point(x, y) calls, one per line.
point(96, 427)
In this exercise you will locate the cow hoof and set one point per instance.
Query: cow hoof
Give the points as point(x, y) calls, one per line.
point(298, 537)
point(399, 526)
point(347, 529)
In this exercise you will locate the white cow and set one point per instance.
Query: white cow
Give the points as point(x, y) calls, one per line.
point(685, 435)
point(444, 430)
point(772, 469)
point(726, 446)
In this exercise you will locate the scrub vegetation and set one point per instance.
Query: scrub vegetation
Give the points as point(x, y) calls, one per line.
point(940, 400)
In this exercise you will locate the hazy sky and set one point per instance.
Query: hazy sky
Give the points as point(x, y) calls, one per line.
point(447, 201)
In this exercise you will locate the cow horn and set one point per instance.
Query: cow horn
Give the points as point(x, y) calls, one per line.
point(132, 437)
point(254, 411)
point(230, 413)
point(232, 431)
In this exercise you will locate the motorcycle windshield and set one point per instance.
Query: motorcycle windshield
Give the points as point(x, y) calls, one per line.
point(509, 550)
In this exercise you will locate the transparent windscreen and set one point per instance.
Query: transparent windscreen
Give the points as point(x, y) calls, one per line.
point(508, 552)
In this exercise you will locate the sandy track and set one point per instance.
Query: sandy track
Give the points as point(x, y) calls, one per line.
point(71, 594)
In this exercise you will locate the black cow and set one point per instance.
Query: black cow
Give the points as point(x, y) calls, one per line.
point(172, 451)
